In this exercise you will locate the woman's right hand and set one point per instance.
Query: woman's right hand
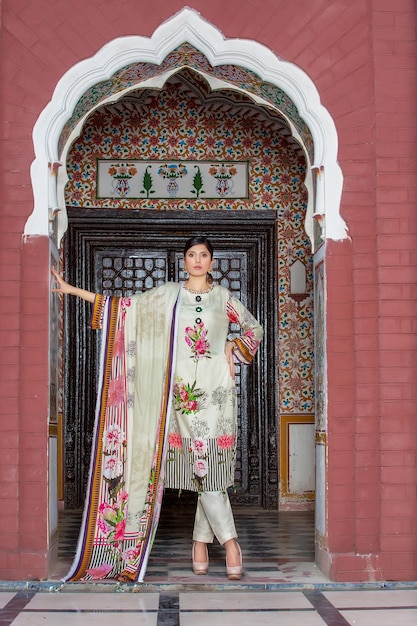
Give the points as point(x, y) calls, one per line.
point(62, 285)
point(65, 288)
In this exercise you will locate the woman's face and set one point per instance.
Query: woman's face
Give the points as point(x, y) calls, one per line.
point(197, 260)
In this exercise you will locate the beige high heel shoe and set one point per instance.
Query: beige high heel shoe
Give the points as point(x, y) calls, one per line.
point(234, 572)
point(199, 568)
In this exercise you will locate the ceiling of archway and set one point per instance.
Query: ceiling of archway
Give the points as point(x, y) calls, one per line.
point(228, 101)
point(186, 56)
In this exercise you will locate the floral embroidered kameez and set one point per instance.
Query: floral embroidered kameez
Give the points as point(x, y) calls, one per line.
point(203, 426)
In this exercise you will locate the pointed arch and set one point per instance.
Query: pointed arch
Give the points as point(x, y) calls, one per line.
point(187, 26)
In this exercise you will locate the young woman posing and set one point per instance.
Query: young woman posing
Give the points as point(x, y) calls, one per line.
point(166, 417)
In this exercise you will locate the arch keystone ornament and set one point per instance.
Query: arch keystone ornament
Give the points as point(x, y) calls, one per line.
point(187, 26)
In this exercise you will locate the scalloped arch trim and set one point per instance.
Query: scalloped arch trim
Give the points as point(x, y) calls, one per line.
point(187, 26)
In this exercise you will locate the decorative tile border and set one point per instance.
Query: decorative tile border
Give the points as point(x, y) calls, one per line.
point(172, 179)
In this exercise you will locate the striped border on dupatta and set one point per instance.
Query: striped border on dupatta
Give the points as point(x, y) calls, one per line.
point(105, 313)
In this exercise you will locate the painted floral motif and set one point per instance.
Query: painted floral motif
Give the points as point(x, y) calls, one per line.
point(119, 343)
point(122, 170)
point(113, 467)
point(121, 174)
point(188, 398)
point(112, 513)
point(172, 171)
point(199, 446)
point(116, 392)
point(113, 437)
point(146, 512)
point(125, 303)
point(224, 425)
point(199, 450)
point(200, 469)
point(226, 442)
point(224, 174)
point(196, 339)
point(219, 397)
point(174, 440)
point(224, 170)
point(112, 520)
point(97, 573)
point(131, 348)
point(199, 427)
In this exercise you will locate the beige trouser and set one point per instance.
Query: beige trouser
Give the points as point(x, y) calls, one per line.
point(214, 517)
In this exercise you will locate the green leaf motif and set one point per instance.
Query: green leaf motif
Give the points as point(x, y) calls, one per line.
point(197, 182)
point(147, 183)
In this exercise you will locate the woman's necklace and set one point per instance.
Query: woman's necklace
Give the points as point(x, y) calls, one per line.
point(199, 293)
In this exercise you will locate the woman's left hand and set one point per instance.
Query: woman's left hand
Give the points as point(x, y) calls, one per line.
point(228, 350)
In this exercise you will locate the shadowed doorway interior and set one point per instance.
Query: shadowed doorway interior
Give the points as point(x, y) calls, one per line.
point(122, 253)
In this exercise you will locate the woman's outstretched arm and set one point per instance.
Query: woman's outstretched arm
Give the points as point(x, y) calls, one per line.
point(66, 288)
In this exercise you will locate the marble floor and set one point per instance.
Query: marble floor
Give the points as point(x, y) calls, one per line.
point(276, 547)
point(281, 584)
point(205, 608)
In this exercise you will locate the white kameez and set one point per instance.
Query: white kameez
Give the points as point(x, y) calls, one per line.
point(203, 427)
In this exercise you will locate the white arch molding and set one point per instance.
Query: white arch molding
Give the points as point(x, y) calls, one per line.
point(186, 26)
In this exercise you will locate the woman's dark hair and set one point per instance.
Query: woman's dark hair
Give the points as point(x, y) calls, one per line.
point(196, 241)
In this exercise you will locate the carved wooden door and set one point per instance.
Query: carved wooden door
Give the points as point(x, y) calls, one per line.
point(128, 263)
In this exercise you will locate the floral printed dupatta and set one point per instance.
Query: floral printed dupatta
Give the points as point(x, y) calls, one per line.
point(125, 486)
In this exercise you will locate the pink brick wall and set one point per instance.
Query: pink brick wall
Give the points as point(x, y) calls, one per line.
point(396, 241)
point(378, 515)
point(362, 58)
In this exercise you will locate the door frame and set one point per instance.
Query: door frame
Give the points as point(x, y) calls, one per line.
point(88, 228)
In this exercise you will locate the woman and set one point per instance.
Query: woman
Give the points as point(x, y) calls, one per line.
point(166, 417)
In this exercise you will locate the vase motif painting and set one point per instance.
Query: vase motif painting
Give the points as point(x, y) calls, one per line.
point(121, 174)
point(223, 173)
point(172, 171)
